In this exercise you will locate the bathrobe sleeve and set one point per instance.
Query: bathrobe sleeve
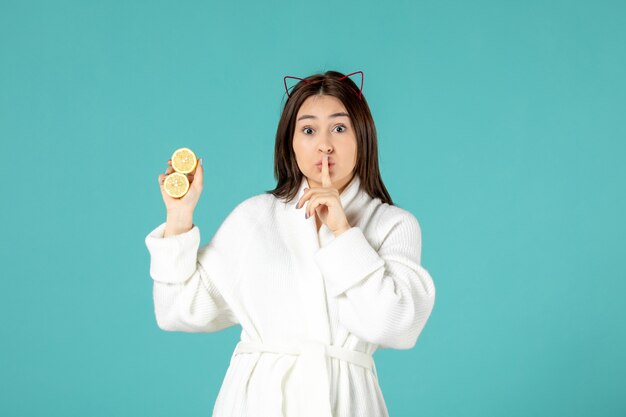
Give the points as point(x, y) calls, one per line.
point(189, 281)
point(384, 296)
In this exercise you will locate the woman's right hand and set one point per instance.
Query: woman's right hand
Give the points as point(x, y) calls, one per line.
point(188, 202)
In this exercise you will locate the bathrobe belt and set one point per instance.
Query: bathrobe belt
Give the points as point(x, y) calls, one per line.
point(311, 370)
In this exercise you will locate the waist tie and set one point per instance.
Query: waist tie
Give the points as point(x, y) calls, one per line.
point(311, 370)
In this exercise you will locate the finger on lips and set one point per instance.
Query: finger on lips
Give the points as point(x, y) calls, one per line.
point(325, 173)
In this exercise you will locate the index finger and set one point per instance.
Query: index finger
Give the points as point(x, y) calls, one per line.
point(325, 174)
point(198, 174)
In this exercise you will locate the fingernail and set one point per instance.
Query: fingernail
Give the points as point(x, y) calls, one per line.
point(200, 161)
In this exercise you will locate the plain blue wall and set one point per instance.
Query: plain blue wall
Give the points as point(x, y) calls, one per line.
point(501, 128)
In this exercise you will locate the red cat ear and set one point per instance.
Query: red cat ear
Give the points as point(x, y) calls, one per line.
point(362, 79)
point(285, 81)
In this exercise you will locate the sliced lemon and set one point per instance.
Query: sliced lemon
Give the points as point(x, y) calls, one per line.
point(176, 184)
point(184, 160)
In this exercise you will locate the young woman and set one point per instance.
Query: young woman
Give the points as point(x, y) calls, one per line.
point(319, 272)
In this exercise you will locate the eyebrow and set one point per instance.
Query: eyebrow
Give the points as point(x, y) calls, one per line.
point(308, 116)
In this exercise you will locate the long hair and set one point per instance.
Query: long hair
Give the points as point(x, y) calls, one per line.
point(286, 171)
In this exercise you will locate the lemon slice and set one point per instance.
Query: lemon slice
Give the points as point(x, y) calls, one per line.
point(184, 160)
point(176, 184)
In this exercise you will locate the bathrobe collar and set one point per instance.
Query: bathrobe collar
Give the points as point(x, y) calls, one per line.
point(304, 241)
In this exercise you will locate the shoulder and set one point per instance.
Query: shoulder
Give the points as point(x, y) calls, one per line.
point(256, 204)
point(254, 208)
point(397, 221)
point(241, 223)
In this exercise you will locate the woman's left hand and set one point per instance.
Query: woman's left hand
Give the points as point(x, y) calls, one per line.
point(325, 202)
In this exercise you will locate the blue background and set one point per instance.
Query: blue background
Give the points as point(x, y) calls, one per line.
point(501, 128)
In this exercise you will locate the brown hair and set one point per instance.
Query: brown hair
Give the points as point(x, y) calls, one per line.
point(286, 169)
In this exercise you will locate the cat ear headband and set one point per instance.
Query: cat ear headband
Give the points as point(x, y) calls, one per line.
point(309, 81)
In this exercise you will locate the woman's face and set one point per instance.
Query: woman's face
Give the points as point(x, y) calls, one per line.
point(323, 126)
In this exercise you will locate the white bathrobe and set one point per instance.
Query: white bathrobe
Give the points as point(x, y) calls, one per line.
point(312, 307)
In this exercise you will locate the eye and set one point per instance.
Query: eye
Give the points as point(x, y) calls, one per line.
point(304, 129)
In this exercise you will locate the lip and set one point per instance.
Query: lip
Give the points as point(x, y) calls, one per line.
point(330, 165)
point(330, 162)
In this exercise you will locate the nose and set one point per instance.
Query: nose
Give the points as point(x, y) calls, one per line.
point(325, 146)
